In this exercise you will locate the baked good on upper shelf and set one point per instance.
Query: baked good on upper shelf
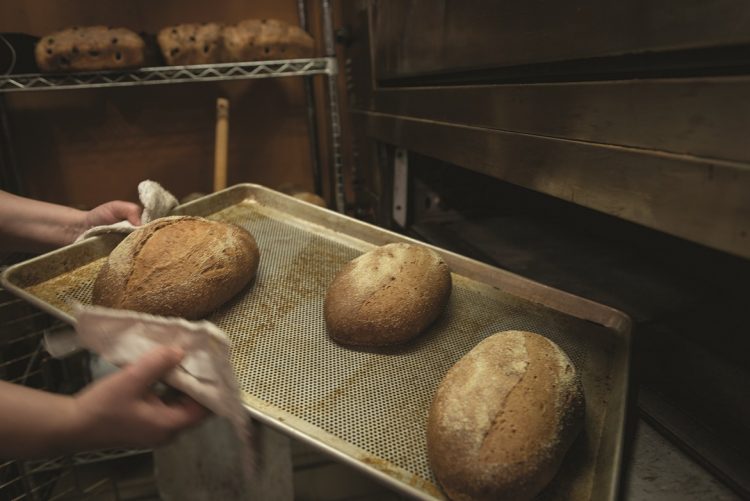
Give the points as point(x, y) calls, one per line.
point(265, 39)
point(178, 266)
point(90, 48)
point(194, 43)
point(248, 40)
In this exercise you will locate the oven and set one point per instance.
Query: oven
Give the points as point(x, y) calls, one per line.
point(595, 147)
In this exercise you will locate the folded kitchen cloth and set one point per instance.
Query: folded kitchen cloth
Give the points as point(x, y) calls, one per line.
point(205, 373)
point(157, 202)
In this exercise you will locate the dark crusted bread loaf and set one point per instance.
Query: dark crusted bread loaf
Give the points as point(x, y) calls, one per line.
point(503, 418)
point(265, 39)
point(191, 43)
point(177, 266)
point(90, 49)
point(387, 296)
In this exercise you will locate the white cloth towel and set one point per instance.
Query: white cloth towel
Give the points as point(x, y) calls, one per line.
point(157, 202)
point(205, 373)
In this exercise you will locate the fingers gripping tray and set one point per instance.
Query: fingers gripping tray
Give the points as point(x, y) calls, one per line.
point(369, 408)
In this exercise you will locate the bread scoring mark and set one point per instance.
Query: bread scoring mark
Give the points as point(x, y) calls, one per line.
point(147, 281)
point(487, 377)
point(153, 228)
point(373, 270)
point(387, 296)
point(532, 426)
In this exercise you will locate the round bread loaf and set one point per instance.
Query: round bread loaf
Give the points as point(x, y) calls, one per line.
point(191, 43)
point(503, 418)
point(177, 266)
point(387, 296)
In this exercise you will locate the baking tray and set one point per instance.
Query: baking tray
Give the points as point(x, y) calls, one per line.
point(369, 408)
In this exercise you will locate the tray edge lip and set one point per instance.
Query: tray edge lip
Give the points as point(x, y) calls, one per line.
point(383, 477)
point(9, 285)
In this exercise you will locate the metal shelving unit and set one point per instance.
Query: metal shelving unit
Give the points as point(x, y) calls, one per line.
point(247, 70)
point(169, 75)
point(36, 479)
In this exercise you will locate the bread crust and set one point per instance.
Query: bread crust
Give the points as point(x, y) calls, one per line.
point(265, 39)
point(192, 43)
point(178, 266)
point(248, 40)
point(387, 296)
point(503, 418)
point(90, 48)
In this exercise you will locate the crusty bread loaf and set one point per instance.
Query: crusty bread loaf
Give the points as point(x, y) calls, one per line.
point(311, 198)
point(177, 266)
point(265, 39)
point(387, 296)
point(90, 48)
point(191, 43)
point(248, 40)
point(503, 418)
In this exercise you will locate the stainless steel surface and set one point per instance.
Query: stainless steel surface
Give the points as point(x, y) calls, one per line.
point(81, 458)
point(312, 134)
point(659, 471)
point(698, 440)
point(312, 122)
point(333, 109)
point(704, 117)
point(368, 408)
point(170, 75)
point(419, 37)
point(400, 186)
point(700, 199)
point(302, 13)
point(667, 153)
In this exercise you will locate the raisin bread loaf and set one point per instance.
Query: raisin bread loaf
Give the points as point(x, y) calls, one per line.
point(265, 39)
point(90, 48)
point(191, 44)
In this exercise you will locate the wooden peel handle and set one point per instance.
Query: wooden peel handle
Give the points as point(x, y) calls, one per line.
point(222, 140)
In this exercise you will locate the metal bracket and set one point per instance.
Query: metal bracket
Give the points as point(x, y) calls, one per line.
point(400, 185)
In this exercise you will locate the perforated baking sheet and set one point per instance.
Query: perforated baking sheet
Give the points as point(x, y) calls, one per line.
point(369, 407)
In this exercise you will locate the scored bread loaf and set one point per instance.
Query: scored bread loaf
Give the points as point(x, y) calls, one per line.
point(248, 40)
point(503, 418)
point(177, 266)
point(387, 296)
point(90, 48)
point(265, 39)
point(191, 43)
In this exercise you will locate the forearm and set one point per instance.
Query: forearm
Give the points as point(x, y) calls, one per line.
point(34, 423)
point(31, 225)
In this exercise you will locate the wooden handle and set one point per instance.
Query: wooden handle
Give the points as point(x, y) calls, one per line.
point(222, 140)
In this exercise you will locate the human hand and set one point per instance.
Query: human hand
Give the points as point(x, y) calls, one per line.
point(122, 410)
point(113, 212)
